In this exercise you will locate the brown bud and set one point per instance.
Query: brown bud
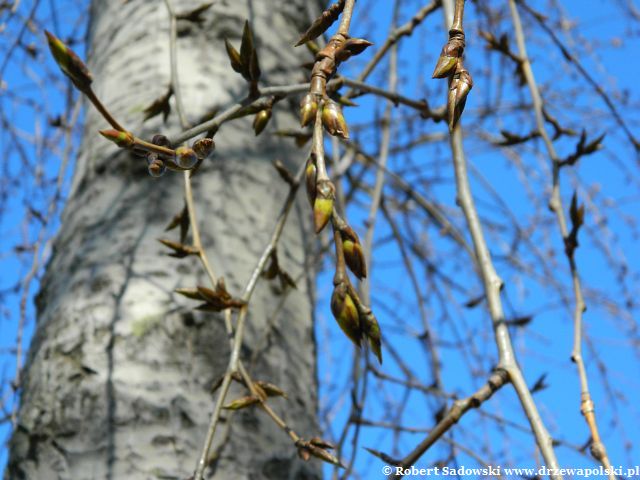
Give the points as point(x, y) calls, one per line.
point(248, 55)
point(324, 455)
point(185, 157)
point(333, 120)
point(353, 254)
point(156, 166)
point(322, 443)
point(69, 63)
point(122, 139)
point(254, 67)
point(234, 57)
point(323, 204)
point(308, 109)
point(161, 140)
point(270, 389)
point(351, 47)
point(203, 147)
point(260, 120)
point(346, 314)
point(449, 56)
point(459, 89)
point(445, 66)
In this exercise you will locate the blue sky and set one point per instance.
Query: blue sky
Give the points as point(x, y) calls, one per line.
point(545, 345)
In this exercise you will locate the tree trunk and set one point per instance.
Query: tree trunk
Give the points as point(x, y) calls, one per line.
point(119, 374)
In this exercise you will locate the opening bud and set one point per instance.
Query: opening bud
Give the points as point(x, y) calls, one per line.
point(323, 204)
point(333, 120)
point(449, 56)
point(122, 139)
point(346, 314)
point(69, 62)
point(353, 254)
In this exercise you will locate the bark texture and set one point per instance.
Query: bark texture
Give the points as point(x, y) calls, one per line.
point(117, 383)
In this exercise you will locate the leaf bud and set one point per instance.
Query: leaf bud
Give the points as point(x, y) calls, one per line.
point(185, 157)
point(308, 109)
point(260, 120)
point(449, 56)
point(156, 167)
point(234, 57)
point(203, 147)
point(459, 89)
point(333, 120)
point(310, 175)
point(69, 62)
point(345, 312)
point(371, 329)
point(122, 139)
point(323, 204)
point(242, 402)
point(353, 254)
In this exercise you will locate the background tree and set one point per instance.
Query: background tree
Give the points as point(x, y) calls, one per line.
point(110, 331)
point(438, 275)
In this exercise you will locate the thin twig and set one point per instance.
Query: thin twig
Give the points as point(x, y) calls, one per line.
point(235, 365)
point(598, 449)
point(395, 36)
point(345, 18)
point(584, 72)
point(234, 358)
point(492, 286)
point(496, 381)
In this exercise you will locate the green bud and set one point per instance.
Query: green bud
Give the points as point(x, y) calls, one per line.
point(451, 52)
point(346, 314)
point(444, 67)
point(323, 204)
point(322, 209)
point(122, 139)
point(371, 329)
point(69, 62)
point(242, 402)
point(353, 254)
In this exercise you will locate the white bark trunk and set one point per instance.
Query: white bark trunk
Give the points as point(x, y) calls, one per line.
point(118, 379)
